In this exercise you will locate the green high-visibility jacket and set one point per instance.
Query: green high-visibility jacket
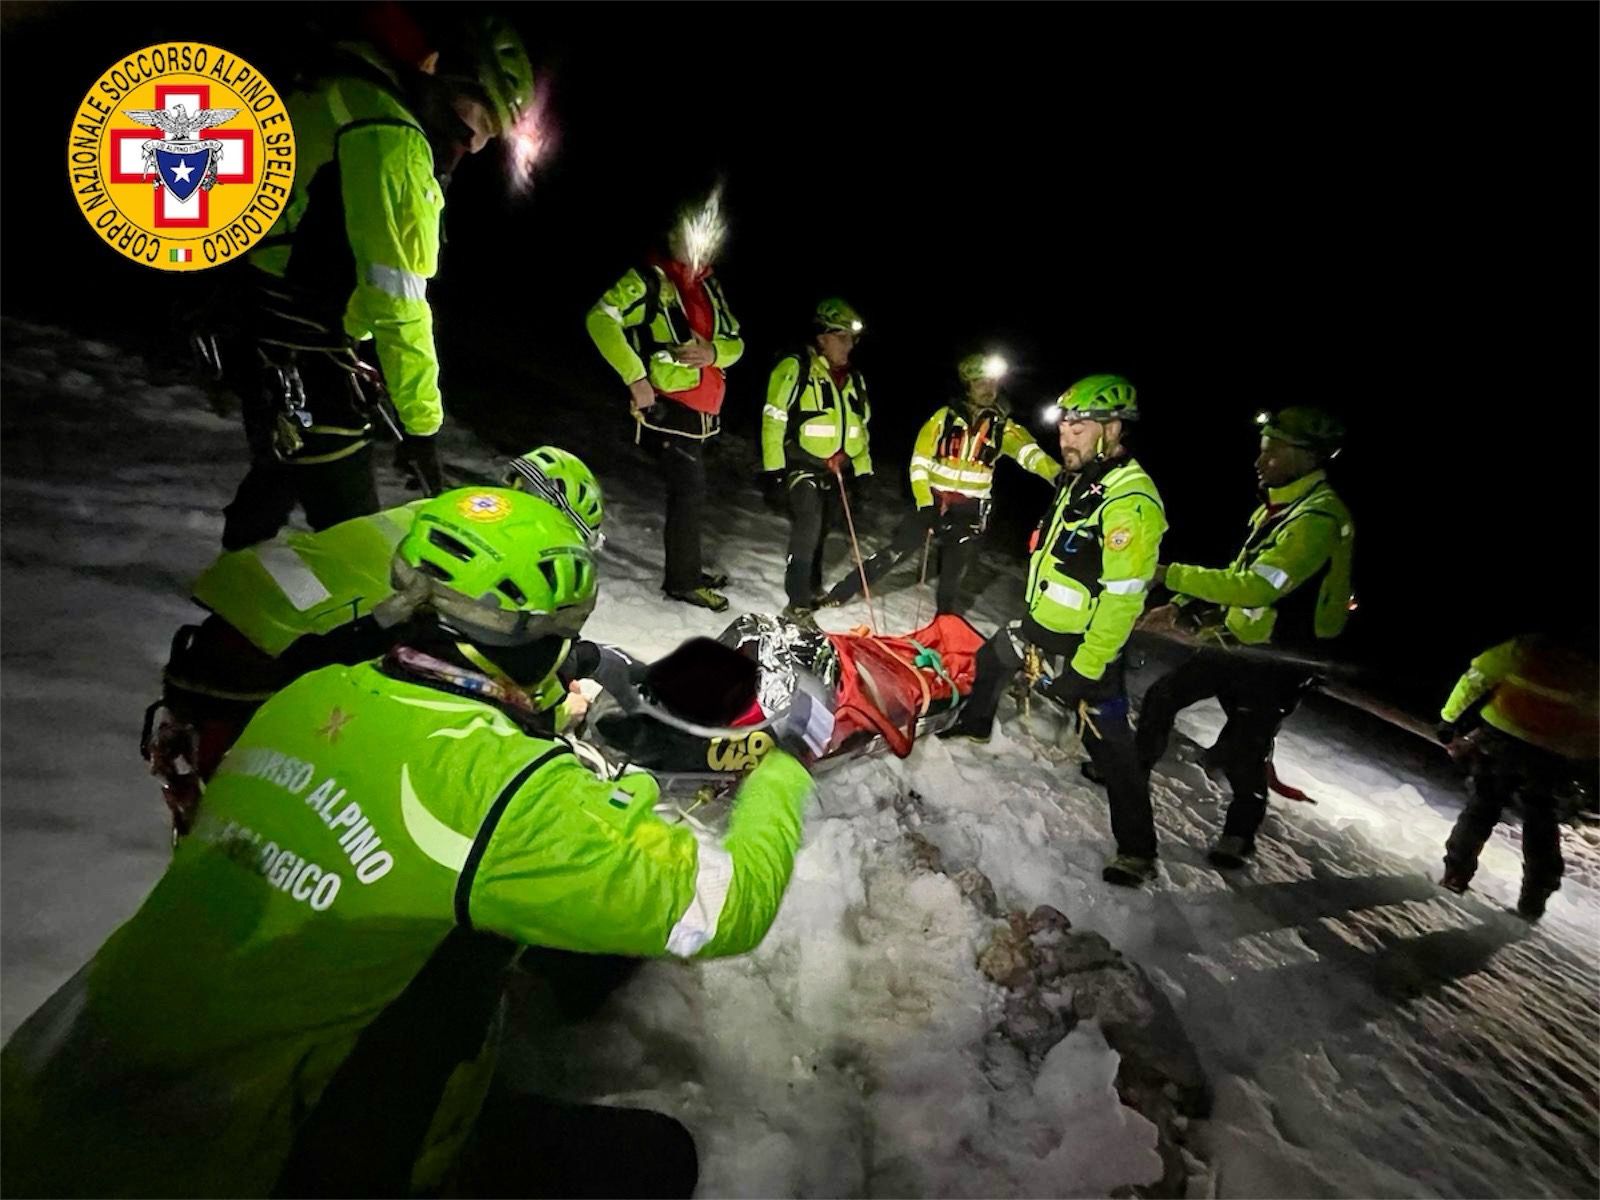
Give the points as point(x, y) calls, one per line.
point(956, 451)
point(363, 151)
point(1090, 572)
point(308, 997)
point(646, 302)
point(1538, 690)
point(297, 583)
point(1304, 533)
point(826, 417)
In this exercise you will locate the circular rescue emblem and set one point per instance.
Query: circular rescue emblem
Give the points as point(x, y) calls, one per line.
point(181, 156)
point(483, 506)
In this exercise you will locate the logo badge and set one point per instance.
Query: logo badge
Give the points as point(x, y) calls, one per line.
point(1120, 537)
point(483, 506)
point(181, 156)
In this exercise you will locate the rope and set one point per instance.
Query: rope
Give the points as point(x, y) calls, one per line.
point(855, 548)
point(922, 577)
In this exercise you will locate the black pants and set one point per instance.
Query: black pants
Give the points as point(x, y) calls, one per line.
point(524, 1145)
point(955, 536)
point(1501, 768)
point(1257, 697)
point(812, 501)
point(681, 461)
point(1107, 736)
point(329, 492)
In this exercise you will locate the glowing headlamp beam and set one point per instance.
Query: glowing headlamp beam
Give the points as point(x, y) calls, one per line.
point(704, 230)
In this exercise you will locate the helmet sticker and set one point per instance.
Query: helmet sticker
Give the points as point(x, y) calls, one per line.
point(482, 506)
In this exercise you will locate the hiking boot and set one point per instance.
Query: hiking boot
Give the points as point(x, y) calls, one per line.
point(1127, 870)
point(958, 730)
point(1530, 904)
point(802, 617)
point(1454, 880)
point(1091, 772)
point(1230, 852)
point(702, 597)
point(713, 579)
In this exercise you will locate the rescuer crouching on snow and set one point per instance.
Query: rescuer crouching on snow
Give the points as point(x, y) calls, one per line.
point(308, 1002)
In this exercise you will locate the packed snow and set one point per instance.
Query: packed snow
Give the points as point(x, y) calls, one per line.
point(1365, 1033)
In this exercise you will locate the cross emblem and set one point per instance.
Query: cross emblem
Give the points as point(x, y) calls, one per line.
point(337, 720)
point(131, 164)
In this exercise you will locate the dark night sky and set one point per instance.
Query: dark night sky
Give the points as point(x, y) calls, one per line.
point(1386, 209)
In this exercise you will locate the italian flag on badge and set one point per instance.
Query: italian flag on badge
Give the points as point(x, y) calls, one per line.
point(180, 255)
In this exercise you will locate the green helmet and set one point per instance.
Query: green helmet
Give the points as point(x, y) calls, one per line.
point(1100, 398)
point(563, 479)
point(1308, 428)
point(493, 64)
point(502, 567)
point(834, 314)
point(981, 366)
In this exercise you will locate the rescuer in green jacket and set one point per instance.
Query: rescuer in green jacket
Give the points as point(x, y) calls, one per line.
point(1092, 562)
point(1288, 587)
point(1523, 722)
point(952, 476)
point(814, 422)
point(300, 601)
point(666, 329)
point(308, 1001)
point(349, 260)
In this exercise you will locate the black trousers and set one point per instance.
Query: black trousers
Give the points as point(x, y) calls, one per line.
point(955, 536)
point(1257, 697)
point(1107, 736)
point(1501, 768)
point(329, 492)
point(681, 461)
point(524, 1145)
point(812, 500)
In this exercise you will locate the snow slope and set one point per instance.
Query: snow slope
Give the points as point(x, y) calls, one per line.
point(1366, 1034)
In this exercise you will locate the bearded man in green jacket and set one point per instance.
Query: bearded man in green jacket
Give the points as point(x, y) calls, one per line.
point(308, 1002)
point(1093, 556)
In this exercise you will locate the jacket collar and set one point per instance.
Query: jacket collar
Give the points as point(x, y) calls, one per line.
point(1290, 492)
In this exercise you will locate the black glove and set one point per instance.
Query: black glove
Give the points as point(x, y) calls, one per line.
point(928, 516)
point(1069, 688)
point(773, 491)
point(1446, 732)
point(418, 459)
point(863, 490)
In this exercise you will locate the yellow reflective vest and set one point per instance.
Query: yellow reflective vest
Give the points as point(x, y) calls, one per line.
point(809, 418)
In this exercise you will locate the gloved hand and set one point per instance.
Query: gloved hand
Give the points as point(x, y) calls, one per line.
point(864, 490)
point(928, 516)
point(836, 461)
point(1446, 732)
point(418, 459)
point(773, 491)
point(1069, 688)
